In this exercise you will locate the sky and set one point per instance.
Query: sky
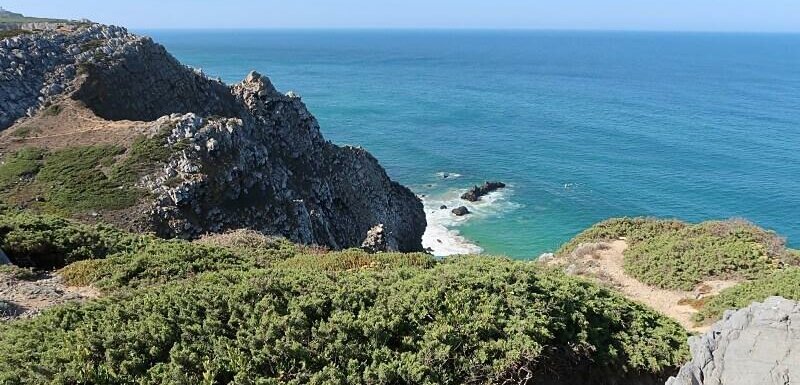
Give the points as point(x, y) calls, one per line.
point(649, 15)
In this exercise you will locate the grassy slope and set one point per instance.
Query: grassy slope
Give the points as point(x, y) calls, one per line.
point(8, 19)
point(785, 283)
point(257, 310)
point(79, 179)
point(676, 255)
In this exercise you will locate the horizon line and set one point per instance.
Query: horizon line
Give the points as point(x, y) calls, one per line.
point(466, 29)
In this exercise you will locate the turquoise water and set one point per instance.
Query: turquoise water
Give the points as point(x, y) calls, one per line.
point(582, 125)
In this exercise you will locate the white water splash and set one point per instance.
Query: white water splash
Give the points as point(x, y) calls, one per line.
point(442, 235)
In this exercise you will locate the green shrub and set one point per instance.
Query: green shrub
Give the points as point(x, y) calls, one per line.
point(155, 263)
point(92, 44)
point(83, 178)
point(53, 110)
point(19, 273)
point(20, 164)
point(355, 259)
point(46, 241)
point(467, 320)
point(784, 283)
point(143, 155)
point(7, 34)
point(633, 229)
point(675, 255)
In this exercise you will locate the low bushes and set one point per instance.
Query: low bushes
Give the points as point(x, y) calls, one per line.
point(463, 321)
point(47, 241)
point(205, 312)
point(675, 255)
point(784, 283)
point(80, 179)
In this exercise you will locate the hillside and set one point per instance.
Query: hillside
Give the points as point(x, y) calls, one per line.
point(105, 126)
point(692, 272)
point(243, 308)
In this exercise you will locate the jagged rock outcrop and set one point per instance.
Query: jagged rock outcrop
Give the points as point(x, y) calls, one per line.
point(759, 344)
point(377, 240)
point(242, 156)
point(475, 193)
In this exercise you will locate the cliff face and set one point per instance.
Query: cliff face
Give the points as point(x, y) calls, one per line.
point(241, 156)
point(755, 345)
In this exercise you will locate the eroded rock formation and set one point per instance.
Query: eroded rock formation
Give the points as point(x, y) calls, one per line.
point(241, 156)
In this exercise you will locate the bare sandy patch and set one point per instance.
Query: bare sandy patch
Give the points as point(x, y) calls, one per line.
point(603, 261)
point(69, 122)
point(27, 298)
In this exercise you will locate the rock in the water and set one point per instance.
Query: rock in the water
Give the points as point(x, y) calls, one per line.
point(443, 207)
point(475, 193)
point(460, 211)
point(759, 344)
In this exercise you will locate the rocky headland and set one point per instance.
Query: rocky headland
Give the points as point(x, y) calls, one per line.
point(218, 157)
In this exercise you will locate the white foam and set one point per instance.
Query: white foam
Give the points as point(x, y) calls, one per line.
point(448, 175)
point(442, 235)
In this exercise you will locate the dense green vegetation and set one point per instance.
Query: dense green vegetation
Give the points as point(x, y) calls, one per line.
point(676, 255)
point(45, 241)
point(19, 165)
point(80, 179)
point(206, 312)
point(785, 283)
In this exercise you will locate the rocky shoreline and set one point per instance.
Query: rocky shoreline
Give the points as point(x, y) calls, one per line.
point(241, 156)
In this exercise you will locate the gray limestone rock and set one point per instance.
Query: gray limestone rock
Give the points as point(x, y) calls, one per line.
point(759, 344)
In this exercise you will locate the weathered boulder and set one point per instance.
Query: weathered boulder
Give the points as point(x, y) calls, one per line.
point(475, 193)
point(377, 241)
point(460, 211)
point(759, 344)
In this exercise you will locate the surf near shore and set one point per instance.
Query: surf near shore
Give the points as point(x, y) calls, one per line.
point(442, 236)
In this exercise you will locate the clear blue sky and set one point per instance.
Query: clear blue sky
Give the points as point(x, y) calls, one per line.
point(671, 15)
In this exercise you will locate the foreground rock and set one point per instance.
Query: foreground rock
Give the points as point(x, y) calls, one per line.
point(759, 344)
point(242, 156)
point(377, 240)
point(475, 193)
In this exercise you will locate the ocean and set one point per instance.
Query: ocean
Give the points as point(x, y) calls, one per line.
point(582, 126)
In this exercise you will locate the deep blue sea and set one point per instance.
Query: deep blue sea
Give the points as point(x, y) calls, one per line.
point(582, 125)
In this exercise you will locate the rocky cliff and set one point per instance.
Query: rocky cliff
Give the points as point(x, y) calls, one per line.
point(241, 156)
point(759, 344)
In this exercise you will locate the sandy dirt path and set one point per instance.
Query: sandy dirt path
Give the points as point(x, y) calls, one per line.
point(604, 261)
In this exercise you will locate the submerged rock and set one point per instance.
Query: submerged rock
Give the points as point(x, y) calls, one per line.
point(475, 193)
point(759, 344)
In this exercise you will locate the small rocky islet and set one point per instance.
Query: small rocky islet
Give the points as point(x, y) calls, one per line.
point(217, 218)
